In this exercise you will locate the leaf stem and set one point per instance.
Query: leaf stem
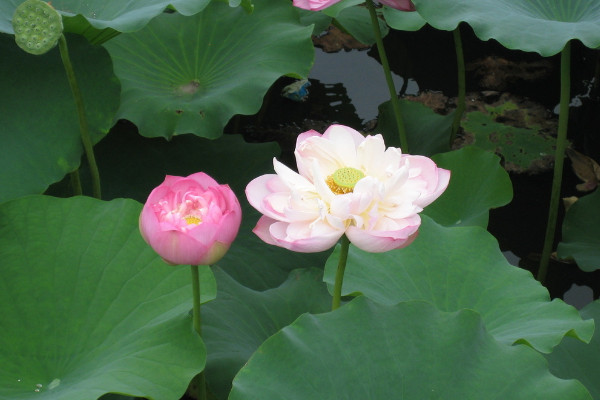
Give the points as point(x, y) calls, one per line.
point(388, 77)
point(200, 378)
point(339, 275)
point(561, 144)
point(83, 125)
point(76, 183)
point(460, 101)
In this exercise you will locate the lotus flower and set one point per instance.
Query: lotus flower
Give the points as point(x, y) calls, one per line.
point(191, 220)
point(316, 5)
point(346, 184)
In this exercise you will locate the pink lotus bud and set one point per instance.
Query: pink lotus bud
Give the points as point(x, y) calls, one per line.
point(191, 220)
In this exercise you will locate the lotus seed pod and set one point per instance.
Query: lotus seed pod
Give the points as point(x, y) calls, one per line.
point(37, 26)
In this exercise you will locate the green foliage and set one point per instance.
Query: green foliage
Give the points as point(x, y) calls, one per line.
point(581, 233)
point(39, 128)
point(543, 26)
point(477, 184)
point(573, 359)
point(88, 308)
point(257, 316)
point(216, 64)
point(458, 268)
point(410, 350)
point(427, 132)
point(521, 147)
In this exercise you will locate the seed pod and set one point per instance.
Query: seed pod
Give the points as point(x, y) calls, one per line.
point(37, 26)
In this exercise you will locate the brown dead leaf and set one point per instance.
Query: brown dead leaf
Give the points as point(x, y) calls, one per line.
point(586, 169)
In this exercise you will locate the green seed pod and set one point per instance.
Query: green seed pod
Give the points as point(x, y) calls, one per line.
point(37, 26)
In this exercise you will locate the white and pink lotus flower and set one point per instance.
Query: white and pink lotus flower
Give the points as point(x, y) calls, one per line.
point(346, 184)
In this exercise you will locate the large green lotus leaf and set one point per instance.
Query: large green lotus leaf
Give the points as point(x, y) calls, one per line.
point(255, 316)
point(462, 267)
point(575, 360)
point(406, 351)
point(113, 15)
point(543, 26)
point(581, 233)
point(249, 260)
point(402, 20)
point(427, 133)
point(477, 183)
point(39, 128)
point(216, 64)
point(88, 308)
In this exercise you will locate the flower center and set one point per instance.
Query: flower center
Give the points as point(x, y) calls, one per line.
point(344, 179)
point(192, 219)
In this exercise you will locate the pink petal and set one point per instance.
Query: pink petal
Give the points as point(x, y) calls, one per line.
point(402, 5)
point(381, 241)
point(314, 5)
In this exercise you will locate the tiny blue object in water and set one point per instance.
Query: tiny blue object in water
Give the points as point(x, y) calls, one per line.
point(296, 91)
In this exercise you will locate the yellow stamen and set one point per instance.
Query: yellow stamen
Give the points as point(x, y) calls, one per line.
point(344, 179)
point(192, 219)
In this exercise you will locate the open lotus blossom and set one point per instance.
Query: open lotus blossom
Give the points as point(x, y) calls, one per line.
point(316, 5)
point(346, 184)
point(191, 220)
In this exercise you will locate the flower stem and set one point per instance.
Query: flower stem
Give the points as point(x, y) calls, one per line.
point(83, 125)
point(339, 275)
point(388, 77)
point(460, 101)
point(200, 378)
point(561, 144)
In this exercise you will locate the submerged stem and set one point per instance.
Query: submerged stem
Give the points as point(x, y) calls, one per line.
point(83, 125)
point(339, 275)
point(388, 77)
point(200, 379)
point(561, 144)
point(460, 102)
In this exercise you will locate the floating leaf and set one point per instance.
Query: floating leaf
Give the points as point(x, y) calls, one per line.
point(40, 137)
point(522, 148)
point(407, 351)
point(477, 183)
point(462, 267)
point(88, 308)
point(216, 64)
point(256, 316)
point(543, 26)
point(581, 233)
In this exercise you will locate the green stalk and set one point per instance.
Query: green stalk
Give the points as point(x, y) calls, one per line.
point(561, 144)
point(83, 125)
point(388, 77)
point(339, 275)
point(460, 102)
point(76, 183)
point(200, 379)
